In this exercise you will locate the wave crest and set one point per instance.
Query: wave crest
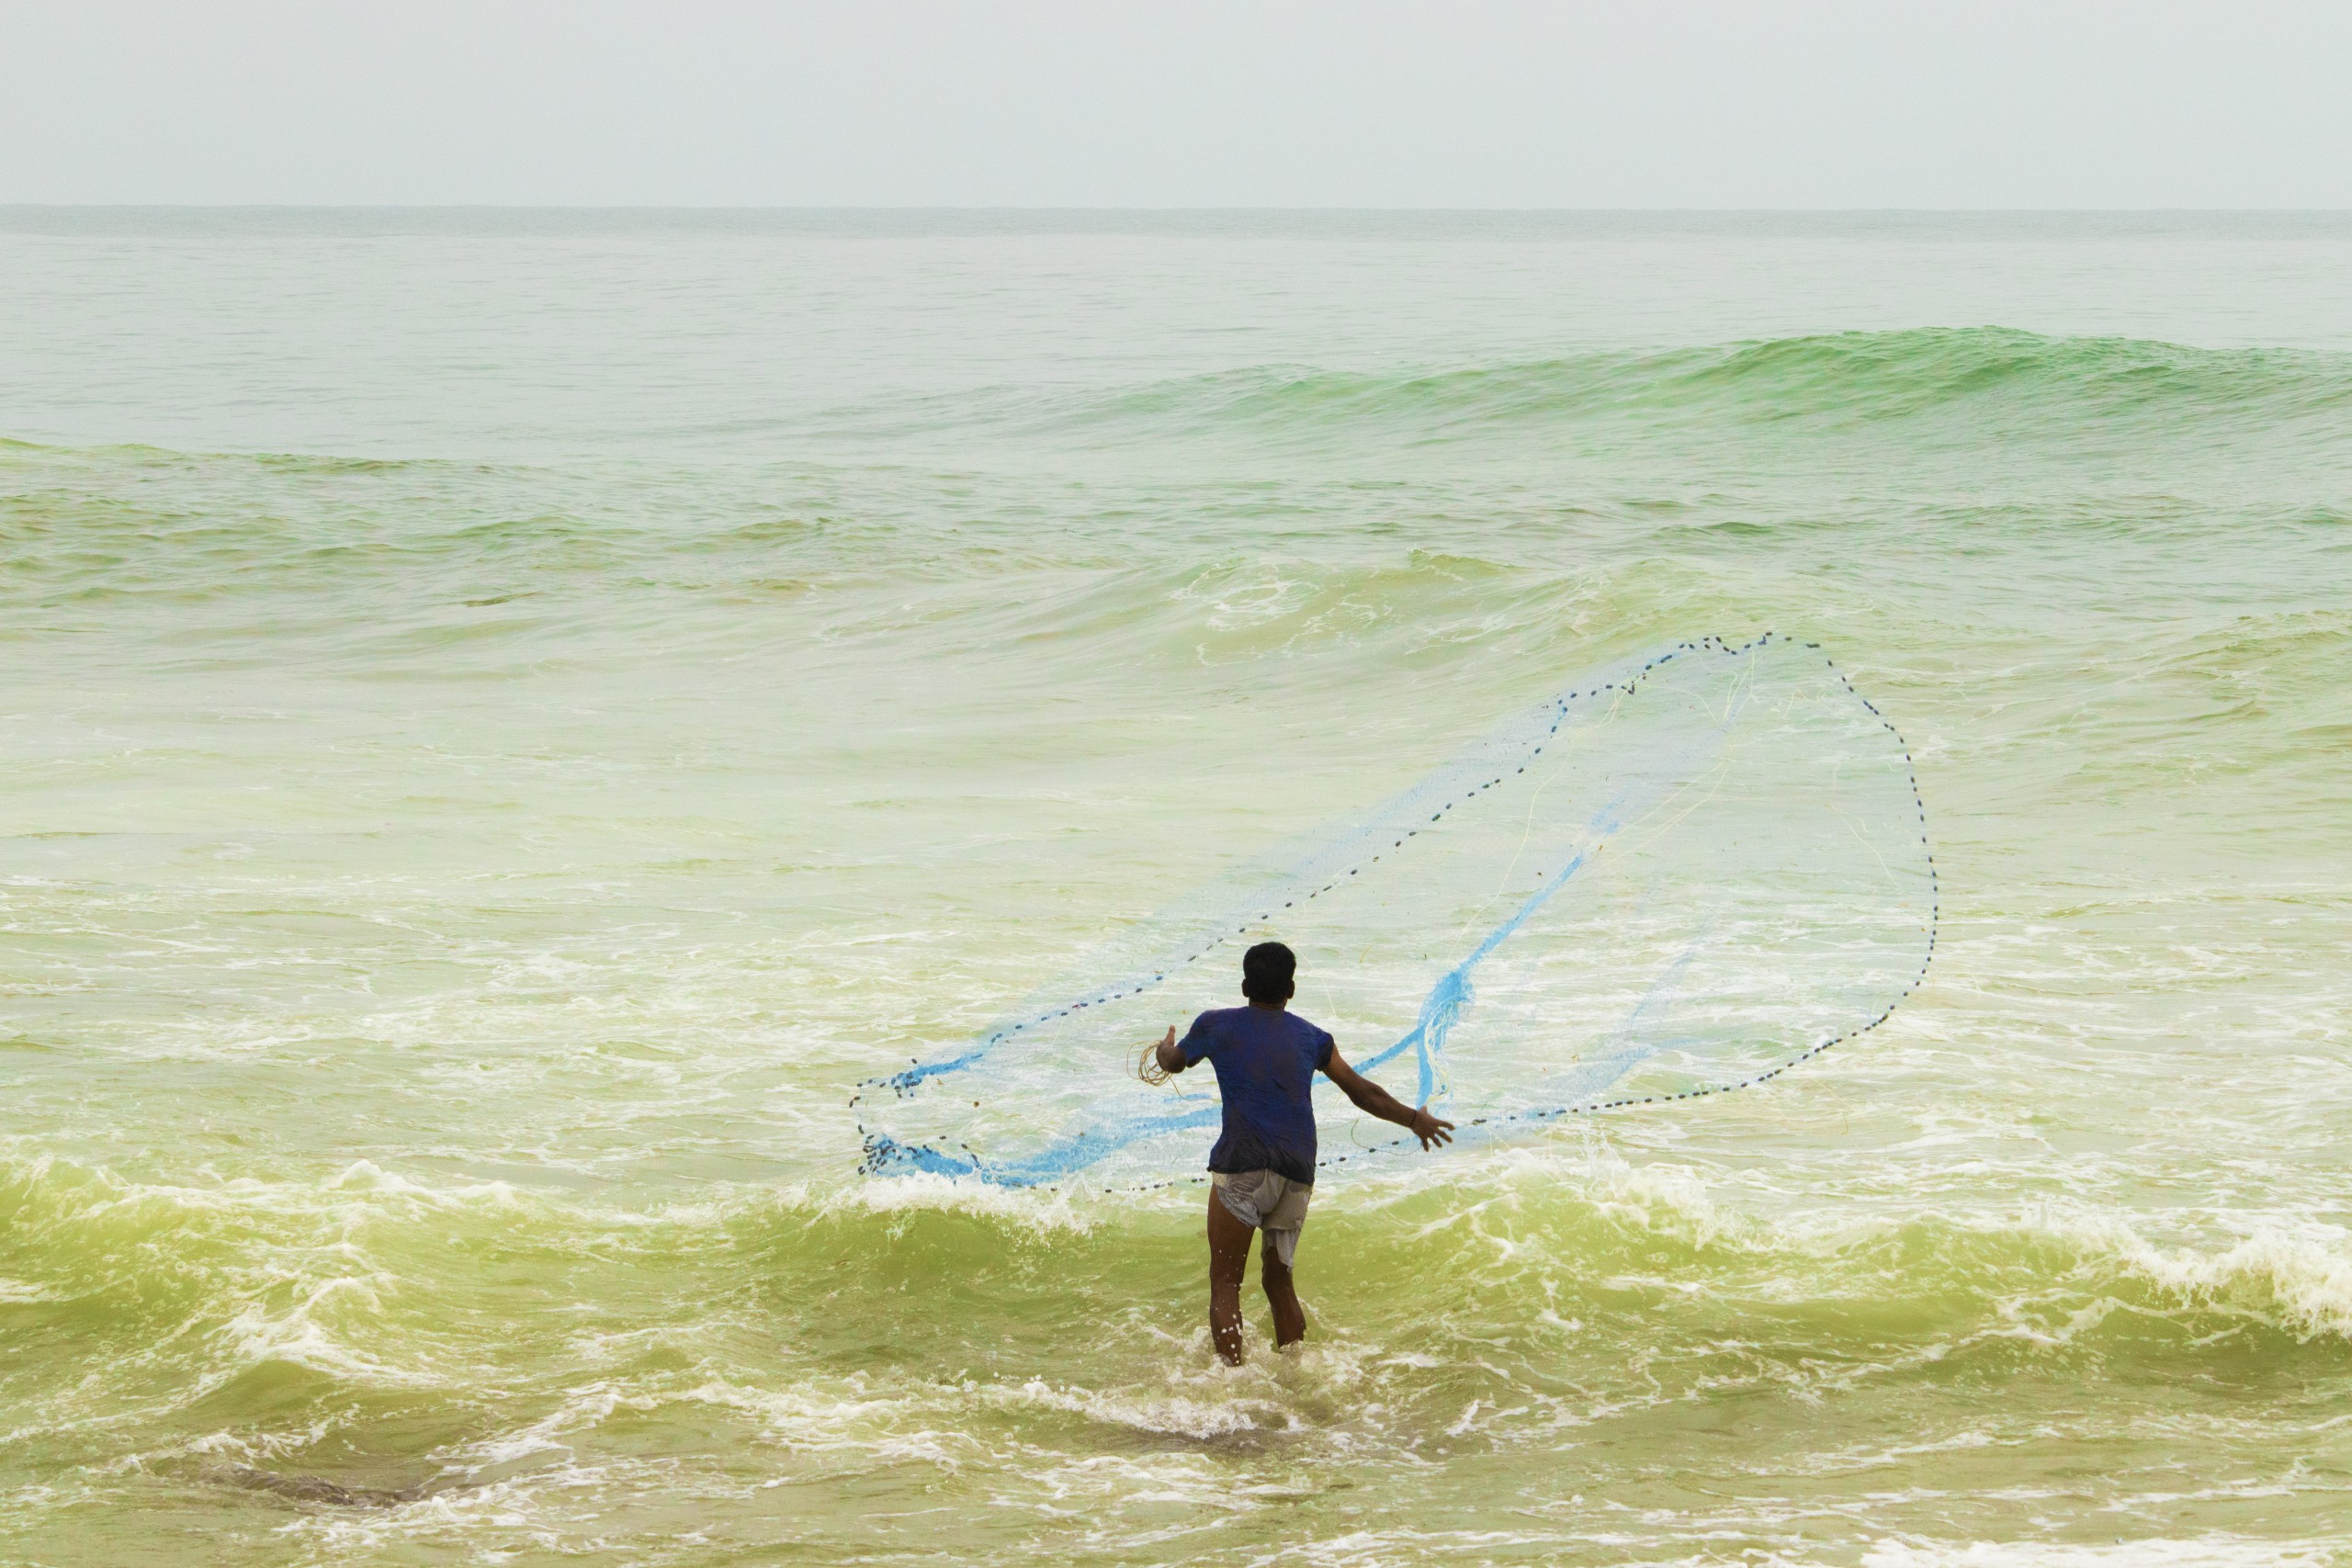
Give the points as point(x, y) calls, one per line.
point(1830, 380)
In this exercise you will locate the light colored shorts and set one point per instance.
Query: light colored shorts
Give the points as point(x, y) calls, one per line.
point(1265, 1201)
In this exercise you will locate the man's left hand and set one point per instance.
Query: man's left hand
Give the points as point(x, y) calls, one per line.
point(1430, 1129)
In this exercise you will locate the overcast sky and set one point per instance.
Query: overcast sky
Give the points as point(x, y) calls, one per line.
point(1190, 103)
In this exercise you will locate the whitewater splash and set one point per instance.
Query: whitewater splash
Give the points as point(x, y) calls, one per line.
point(1681, 875)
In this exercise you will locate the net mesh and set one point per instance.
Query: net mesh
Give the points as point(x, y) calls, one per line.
point(1682, 875)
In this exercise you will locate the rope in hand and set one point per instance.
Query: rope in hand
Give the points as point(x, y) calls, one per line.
point(1148, 1065)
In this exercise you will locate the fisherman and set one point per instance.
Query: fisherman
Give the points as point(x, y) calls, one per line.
point(1262, 1169)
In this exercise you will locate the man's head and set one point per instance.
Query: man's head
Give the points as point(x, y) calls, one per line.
point(1267, 971)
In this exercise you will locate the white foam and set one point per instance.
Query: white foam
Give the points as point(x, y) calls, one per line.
point(1038, 1208)
point(2212, 1551)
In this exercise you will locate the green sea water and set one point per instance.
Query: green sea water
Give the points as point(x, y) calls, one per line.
point(506, 718)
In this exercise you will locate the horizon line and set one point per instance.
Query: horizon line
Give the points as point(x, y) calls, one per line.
point(1146, 209)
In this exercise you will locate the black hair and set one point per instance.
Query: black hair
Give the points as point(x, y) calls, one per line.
point(1267, 971)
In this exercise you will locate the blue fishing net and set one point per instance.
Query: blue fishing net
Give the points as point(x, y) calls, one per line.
point(1681, 875)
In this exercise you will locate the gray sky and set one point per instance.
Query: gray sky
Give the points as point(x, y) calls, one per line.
point(1373, 103)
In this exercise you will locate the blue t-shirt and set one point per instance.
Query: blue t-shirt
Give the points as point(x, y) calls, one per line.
point(1266, 1062)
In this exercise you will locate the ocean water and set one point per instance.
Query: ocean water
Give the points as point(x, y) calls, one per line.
point(506, 718)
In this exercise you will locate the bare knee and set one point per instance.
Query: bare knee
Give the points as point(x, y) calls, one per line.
point(1229, 1248)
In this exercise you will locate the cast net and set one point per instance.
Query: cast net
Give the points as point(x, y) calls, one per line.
point(1680, 876)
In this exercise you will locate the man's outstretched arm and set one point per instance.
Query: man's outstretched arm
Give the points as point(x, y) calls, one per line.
point(1375, 1100)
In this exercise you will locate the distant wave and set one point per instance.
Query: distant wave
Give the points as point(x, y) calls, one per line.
point(1983, 382)
point(839, 489)
point(1847, 377)
point(1842, 380)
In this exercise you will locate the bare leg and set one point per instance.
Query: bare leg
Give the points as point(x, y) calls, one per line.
point(1228, 1257)
point(1290, 1318)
